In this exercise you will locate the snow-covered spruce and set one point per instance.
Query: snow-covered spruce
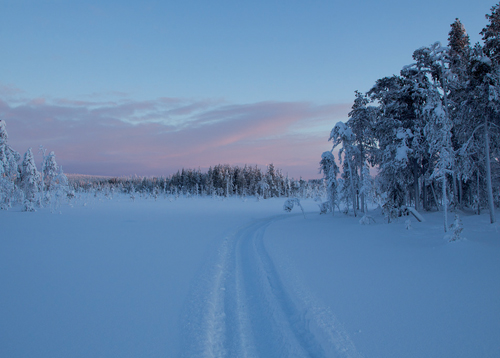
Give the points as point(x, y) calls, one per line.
point(8, 169)
point(330, 172)
point(30, 181)
point(54, 185)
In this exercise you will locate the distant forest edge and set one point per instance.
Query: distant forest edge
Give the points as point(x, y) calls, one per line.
point(221, 180)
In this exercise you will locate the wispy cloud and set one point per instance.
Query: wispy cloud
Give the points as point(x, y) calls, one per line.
point(156, 137)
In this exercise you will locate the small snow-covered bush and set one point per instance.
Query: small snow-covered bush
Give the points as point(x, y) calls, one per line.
point(408, 224)
point(290, 203)
point(324, 207)
point(366, 220)
point(455, 230)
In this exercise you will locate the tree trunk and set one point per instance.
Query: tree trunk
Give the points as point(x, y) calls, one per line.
point(460, 193)
point(435, 197)
point(455, 189)
point(424, 194)
point(415, 183)
point(445, 204)
point(353, 191)
point(491, 204)
point(478, 195)
point(361, 176)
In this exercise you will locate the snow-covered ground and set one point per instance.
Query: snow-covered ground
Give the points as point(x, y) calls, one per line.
point(212, 278)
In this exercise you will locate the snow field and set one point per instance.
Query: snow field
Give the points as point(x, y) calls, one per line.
point(213, 278)
point(397, 292)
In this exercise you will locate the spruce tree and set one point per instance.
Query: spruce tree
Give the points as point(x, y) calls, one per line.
point(330, 172)
point(30, 181)
point(8, 168)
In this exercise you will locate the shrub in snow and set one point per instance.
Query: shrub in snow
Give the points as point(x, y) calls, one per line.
point(408, 224)
point(290, 203)
point(455, 230)
point(392, 212)
point(132, 193)
point(324, 207)
point(366, 220)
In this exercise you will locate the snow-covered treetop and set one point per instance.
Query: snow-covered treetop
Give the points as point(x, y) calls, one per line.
point(3, 132)
point(458, 39)
point(328, 156)
point(327, 162)
point(341, 133)
point(29, 162)
point(491, 34)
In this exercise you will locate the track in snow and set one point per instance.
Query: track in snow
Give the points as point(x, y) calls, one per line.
point(243, 308)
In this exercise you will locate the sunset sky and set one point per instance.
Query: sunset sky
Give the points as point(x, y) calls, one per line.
point(148, 87)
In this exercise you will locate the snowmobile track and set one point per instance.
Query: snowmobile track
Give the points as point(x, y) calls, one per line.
point(248, 312)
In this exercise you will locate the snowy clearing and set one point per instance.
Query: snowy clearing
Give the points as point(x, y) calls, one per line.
point(213, 278)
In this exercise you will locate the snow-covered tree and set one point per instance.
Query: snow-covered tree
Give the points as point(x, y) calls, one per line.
point(435, 63)
point(361, 121)
point(459, 48)
point(330, 171)
point(366, 189)
point(398, 130)
point(342, 135)
point(491, 34)
point(8, 169)
point(49, 171)
point(482, 110)
point(30, 181)
point(290, 203)
point(438, 131)
point(59, 187)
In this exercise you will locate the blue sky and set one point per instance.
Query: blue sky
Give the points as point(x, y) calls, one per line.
point(86, 58)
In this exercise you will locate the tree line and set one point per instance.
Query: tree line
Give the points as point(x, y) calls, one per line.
point(222, 180)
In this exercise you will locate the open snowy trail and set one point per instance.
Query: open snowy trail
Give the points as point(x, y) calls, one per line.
point(244, 309)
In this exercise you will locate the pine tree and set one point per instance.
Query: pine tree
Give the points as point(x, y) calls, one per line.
point(459, 47)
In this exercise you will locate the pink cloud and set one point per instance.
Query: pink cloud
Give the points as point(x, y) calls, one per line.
point(158, 137)
point(8, 90)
